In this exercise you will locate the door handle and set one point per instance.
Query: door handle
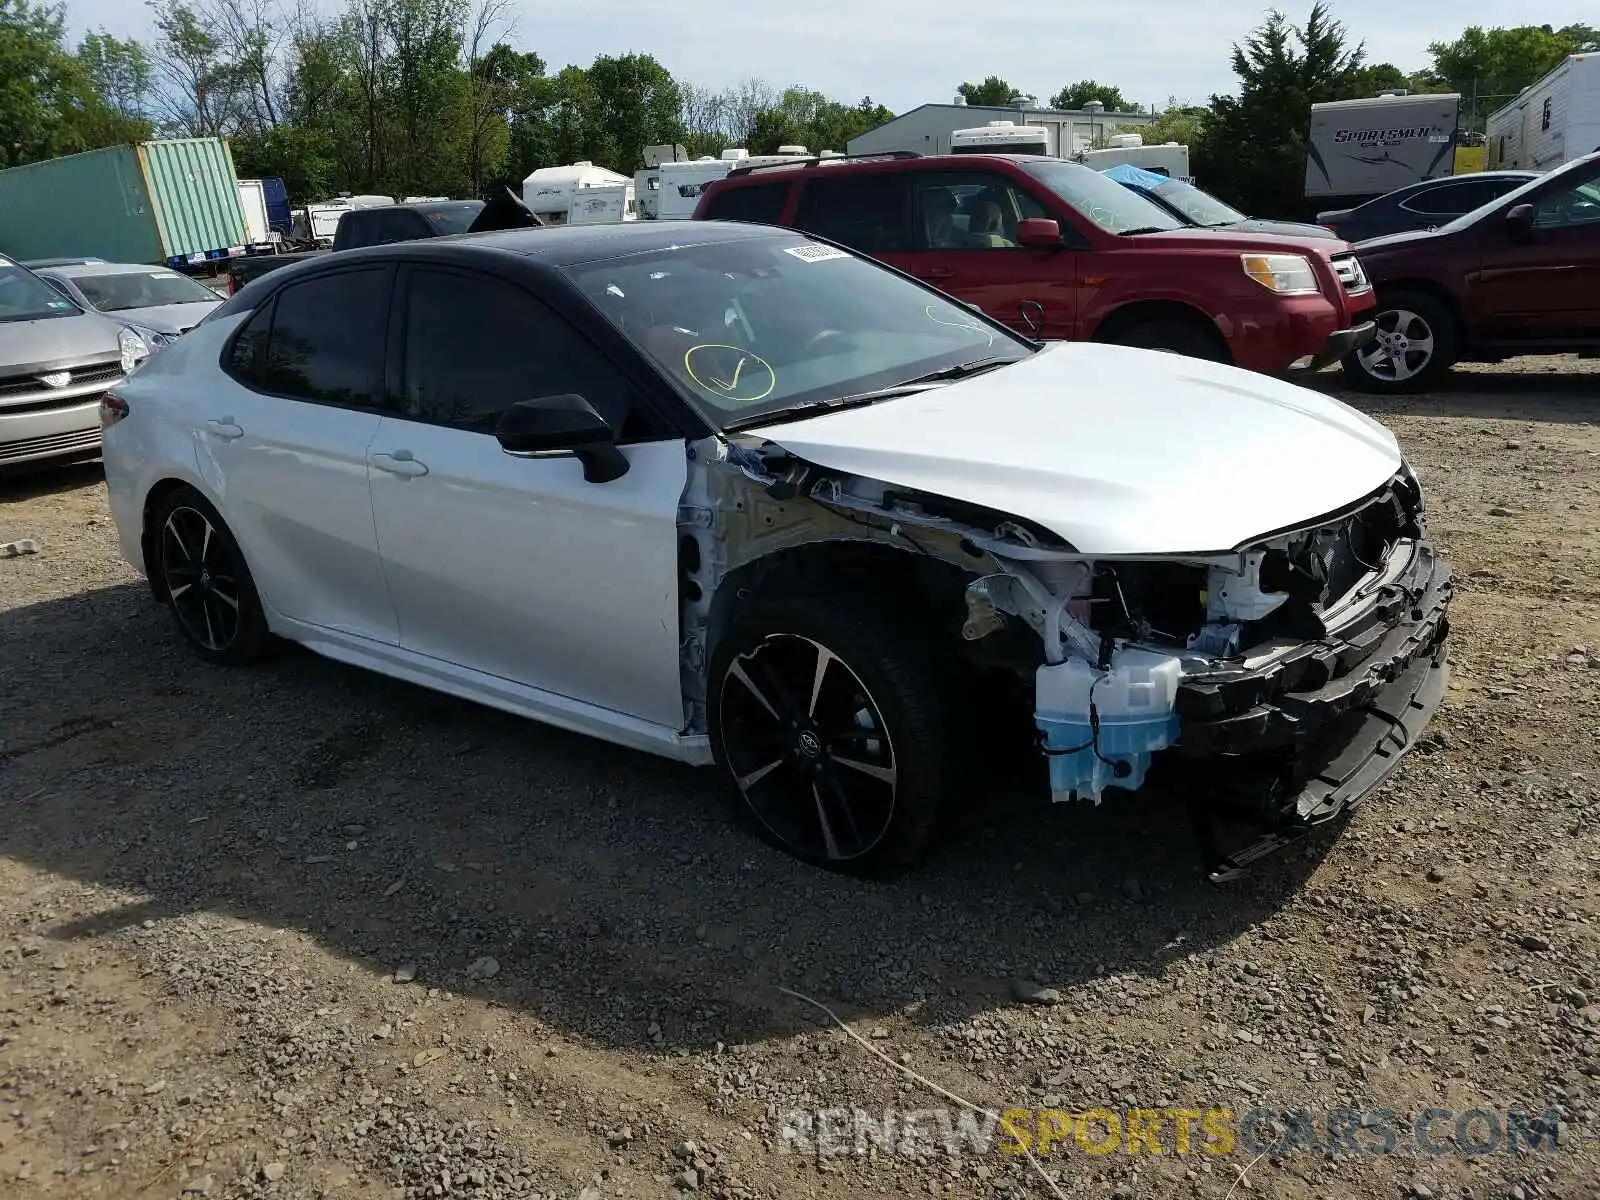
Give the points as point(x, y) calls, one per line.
point(224, 428)
point(1034, 317)
point(936, 273)
point(398, 463)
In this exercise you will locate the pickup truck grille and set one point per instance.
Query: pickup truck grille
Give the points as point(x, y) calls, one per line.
point(1348, 268)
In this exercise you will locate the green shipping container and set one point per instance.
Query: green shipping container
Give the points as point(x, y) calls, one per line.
point(150, 202)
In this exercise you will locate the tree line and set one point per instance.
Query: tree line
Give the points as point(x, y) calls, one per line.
point(1249, 147)
point(433, 97)
point(396, 97)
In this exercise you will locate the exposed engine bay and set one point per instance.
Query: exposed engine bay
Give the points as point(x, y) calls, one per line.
point(1268, 652)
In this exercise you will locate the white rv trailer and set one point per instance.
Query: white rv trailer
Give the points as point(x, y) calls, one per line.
point(682, 183)
point(1169, 158)
point(1358, 149)
point(552, 191)
point(1001, 137)
point(603, 204)
point(1550, 122)
point(669, 189)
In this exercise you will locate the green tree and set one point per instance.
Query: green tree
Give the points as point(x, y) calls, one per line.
point(632, 102)
point(1493, 65)
point(1076, 95)
point(1251, 149)
point(993, 92)
point(1176, 123)
point(51, 101)
point(118, 71)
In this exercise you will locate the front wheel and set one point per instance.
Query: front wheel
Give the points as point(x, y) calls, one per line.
point(833, 725)
point(1174, 337)
point(1414, 345)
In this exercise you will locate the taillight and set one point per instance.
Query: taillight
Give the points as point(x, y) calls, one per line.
point(233, 284)
point(112, 409)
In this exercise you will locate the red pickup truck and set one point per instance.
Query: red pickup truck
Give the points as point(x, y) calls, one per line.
point(1059, 252)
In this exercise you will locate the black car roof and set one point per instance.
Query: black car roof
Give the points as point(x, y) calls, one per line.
point(566, 245)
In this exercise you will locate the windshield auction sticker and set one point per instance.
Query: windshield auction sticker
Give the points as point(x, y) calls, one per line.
point(730, 373)
point(814, 253)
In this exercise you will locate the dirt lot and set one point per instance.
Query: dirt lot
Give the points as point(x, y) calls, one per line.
point(244, 918)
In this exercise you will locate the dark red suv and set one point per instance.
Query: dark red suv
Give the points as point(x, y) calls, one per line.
point(1059, 252)
point(1521, 275)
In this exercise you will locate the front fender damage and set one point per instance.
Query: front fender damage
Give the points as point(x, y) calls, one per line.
point(1312, 656)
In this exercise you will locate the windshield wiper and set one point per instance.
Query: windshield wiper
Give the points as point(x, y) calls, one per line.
point(906, 387)
point(1142, 229)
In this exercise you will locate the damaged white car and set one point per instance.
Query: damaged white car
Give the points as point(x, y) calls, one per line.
point(731, 495)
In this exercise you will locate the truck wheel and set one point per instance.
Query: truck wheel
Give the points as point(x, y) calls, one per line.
point(1173, 337)
point(833, 724)
point(1415, 344)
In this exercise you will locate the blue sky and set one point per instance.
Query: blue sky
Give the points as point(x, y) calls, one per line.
point(907, 52)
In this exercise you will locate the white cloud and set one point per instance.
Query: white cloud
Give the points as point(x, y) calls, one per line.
point(907, 52)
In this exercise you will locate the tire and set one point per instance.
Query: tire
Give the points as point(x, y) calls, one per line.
point(778, 727)
point(204, 581)
point(1173, 336)
point(1428, 342)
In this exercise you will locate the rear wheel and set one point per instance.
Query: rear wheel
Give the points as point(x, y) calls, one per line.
point(205, 580)
point(833, 725)
point(1416, 342)
point(1173, 337)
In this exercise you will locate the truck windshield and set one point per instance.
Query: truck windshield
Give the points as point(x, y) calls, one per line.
point(759, 327)
point(1200, 207)
point(1104, 201)
point(26, 297)
point(452, 218)
point(123, 290)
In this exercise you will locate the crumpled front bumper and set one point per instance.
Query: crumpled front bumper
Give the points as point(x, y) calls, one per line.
point(1342, 710)
point(1339, 344)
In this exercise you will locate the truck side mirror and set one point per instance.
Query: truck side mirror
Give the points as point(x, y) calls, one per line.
point(1039, 233)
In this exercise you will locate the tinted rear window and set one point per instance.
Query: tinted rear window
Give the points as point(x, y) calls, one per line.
point(761, 204)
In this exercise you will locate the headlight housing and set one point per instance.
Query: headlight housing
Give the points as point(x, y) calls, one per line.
point(1285, 274)
point(137, 343)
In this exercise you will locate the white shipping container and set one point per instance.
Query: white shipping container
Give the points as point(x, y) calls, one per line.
point(1552, 122)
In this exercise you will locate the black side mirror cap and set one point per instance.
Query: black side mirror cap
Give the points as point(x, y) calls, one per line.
point(567, 422)
point(1519, 218)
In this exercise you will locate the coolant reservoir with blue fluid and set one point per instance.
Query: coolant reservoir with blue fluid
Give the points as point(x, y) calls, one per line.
point(1126, 713)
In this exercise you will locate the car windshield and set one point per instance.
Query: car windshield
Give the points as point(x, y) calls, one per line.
point(1104, 201)
point(26, 297)
point(1200, 207)
point(763, 326)
point(122, 290)
point(455, 218)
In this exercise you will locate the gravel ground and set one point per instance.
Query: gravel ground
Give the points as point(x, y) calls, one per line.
point(300, 931)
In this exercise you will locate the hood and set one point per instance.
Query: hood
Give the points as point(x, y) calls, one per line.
point(167, 318)
point(56, 341)
point(1295, 229)
point(1390, 241)
point(1116, 450)
point(1238, 237)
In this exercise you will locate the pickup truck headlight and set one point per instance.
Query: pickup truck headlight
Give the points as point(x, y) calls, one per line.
point(1286, 274)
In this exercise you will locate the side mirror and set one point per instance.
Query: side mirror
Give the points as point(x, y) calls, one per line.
point(566, 422)
point(1519, 219)
point(1039, 233)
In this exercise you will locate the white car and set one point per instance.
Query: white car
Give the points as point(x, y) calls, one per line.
point(729, 494)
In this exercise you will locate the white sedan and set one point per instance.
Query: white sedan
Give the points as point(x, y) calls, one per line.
point(732, 495)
